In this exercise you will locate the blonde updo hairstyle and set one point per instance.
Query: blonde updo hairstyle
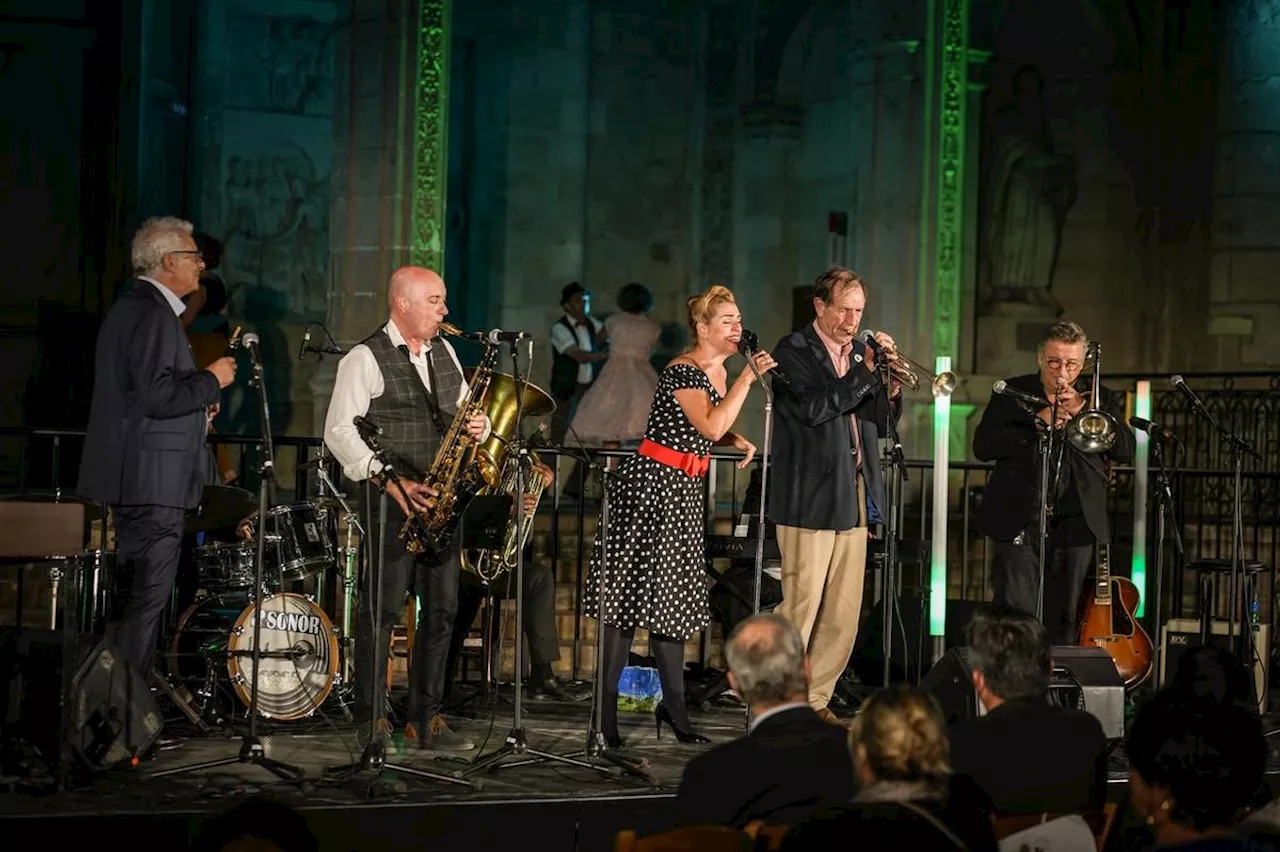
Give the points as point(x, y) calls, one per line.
point(702, 307)
point(901, 736)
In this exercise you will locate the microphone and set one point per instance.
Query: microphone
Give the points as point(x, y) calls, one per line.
point(497, 336)
point(749, 344)
point(868, 338)
point(249, 340)
point(306, 342)
point(366, 426)
point(1153, 429)
point(1181, 384)
point(1002, 388)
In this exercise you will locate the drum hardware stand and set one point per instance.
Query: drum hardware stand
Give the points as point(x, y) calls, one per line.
point(184, 705)
point(252, 749)
point(349, 554)
point(516, 742)
point(1164, 502)
point(374, 756)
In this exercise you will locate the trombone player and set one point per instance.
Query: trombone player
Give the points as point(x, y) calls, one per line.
point(1087, 438)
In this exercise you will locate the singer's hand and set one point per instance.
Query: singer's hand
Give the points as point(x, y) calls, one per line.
point(764, 363)
point(476, 424)
point(224, 370)
point(747, 447)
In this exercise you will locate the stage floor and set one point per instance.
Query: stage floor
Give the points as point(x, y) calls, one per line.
point(583, 808)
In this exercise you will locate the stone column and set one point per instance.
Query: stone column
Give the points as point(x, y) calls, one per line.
point(1243, 312)
point(388, 186)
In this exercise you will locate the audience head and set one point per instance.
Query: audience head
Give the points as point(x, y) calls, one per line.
point(1195, 764)
point(767, 663)
point(1215, 674)
point(635, 298)
point(899, 735)
point(714, 319)
point(1009, 655)
point(164, 250)
point(257, 825)
point(416, 299)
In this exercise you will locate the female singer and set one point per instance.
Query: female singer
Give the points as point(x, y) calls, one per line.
point(654, 575)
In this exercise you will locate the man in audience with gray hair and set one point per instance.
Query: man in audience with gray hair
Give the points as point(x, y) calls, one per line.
point(790, 761)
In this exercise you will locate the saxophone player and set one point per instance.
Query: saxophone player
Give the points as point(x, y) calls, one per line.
point(406, 379)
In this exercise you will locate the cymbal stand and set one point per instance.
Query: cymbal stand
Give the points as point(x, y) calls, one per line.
point(374, 756)
point(516, 744)
point(252, 749)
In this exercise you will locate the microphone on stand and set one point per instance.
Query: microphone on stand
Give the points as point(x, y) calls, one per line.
point(1002, 388)
point(497, 336)
point(1153, 429)
point(306, 342)
point(1181, 384)
point(749, 344)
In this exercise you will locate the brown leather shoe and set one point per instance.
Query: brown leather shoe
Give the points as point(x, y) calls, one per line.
point(438, 736)
point(830, 718)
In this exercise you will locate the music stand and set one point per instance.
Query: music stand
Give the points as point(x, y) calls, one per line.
point(252, 749)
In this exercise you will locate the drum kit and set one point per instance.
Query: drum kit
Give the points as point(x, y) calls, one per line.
point(306, 656)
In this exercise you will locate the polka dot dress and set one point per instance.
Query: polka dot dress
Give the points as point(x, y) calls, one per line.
point(655, 577)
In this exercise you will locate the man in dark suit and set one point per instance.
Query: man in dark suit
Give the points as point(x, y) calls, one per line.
point(791, 760)
point(145, 450)
point(1010, 514)
point(1029, 756)
point(829, 490)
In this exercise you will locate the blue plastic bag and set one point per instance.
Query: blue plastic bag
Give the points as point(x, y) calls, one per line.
point(639, 690)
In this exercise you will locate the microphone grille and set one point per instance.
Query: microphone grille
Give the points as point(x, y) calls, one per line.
point(866, 334)
point(1177, 380)
point(999, 386)
point(249, 339)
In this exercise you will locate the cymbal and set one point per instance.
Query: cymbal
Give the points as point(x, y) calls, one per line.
point(92, 510)
point(221, 507)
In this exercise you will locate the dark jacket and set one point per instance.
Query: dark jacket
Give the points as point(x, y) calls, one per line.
point(1031, 756)
point(787, 766)
point(812, 482)
point(1007, 435)
point(147, 424)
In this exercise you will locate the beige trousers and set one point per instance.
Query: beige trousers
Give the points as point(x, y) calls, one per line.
point(822, 579)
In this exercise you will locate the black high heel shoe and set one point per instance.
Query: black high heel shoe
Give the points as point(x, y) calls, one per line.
point(662, 714)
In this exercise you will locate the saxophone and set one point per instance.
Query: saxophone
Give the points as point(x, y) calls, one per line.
point(489, 565)
point(452, 474)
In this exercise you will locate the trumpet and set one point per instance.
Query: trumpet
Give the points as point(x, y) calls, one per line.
point(908, 372)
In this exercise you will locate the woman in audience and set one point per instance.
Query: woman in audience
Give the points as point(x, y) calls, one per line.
point(1195, 766)
point(908, 797)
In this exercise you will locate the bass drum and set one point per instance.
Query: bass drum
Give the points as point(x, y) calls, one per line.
point(211, 654)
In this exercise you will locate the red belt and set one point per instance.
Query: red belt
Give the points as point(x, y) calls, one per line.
point(687, 462)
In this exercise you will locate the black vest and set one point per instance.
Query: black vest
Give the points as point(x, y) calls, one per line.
point(564, 370)
point(403, 411)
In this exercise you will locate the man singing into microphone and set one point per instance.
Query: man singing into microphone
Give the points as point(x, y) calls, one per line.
point(828, 490)
point(405, 381)
point(1077, 498)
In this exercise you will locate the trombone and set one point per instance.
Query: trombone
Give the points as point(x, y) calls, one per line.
point(1093, 430)
point(908, 372)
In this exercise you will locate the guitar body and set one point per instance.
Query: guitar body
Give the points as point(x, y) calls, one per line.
point(1108, 623)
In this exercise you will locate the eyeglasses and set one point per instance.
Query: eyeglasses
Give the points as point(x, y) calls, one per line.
point(1058, 364)
point(195, 253)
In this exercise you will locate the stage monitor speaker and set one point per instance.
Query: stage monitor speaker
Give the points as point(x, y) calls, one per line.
point(1082, 677)
point(1182, 634)
point(111, 716)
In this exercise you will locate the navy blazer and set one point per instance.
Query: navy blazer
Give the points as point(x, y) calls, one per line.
point(1007, 434)
point(789, 765)
point(813, 481)
point(147, 422)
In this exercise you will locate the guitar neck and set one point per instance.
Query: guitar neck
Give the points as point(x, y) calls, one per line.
point(1102, 592)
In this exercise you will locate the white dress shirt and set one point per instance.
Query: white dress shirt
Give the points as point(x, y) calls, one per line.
point(358, 382)
point(773, 711)
point(174, 302)
point(562, 341)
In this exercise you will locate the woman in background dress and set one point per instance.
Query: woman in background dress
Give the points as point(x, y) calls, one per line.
point(616, 407)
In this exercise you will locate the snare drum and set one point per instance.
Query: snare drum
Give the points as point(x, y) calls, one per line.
point(300, 540)
point(212, 654)
point(226, 566)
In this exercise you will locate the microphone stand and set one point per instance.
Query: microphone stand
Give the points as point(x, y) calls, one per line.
point(516, 742)
point(892, 461)
point(374, 756)
point(765, 452)
point(252, 749)
point(1164, 504)
point(1042, 534)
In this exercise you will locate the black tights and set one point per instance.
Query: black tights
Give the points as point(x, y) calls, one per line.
point(669, 656)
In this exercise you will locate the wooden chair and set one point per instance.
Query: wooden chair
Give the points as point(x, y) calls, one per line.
point(698, 838)
point(768, 838)
point(1100, 822)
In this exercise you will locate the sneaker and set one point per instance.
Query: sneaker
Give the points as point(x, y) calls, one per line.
point(383, 734)
point(438, 736)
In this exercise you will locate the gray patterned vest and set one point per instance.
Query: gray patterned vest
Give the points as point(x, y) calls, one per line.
point(411, 424)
